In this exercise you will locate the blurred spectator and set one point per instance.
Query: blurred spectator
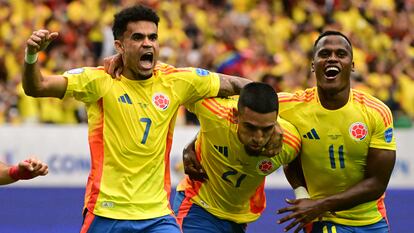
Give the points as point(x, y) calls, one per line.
point(257, 39)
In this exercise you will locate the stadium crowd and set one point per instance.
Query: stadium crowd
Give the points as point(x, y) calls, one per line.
point(262, 40)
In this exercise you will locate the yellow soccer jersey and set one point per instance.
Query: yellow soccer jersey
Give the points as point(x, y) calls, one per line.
point(131, 125)
point(235, 188)
point(335, 146)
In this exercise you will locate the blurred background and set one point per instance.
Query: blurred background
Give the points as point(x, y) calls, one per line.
point(262, 40)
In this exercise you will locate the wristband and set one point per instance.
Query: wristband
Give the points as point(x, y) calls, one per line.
point(301, 192)
point(30, 58)
point(15, 174)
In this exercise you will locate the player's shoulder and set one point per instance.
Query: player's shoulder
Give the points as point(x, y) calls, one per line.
point(372, 105)
point(168, 71)
point(92, 72)
point(299, 96)
point(221, 108)
point(220, 103)
point(284, 123)
point(367, 99)
point(287, 126)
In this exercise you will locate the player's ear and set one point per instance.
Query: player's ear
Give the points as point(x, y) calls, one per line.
point(118, 46)
point(353, 67)
point(312, 67)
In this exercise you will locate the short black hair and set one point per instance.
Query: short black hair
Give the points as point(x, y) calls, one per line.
point(259, 97)
point(330, 33)
point(132, 14)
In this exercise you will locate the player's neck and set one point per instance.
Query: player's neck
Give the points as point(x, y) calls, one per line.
point(135, 76)
point(333, 100)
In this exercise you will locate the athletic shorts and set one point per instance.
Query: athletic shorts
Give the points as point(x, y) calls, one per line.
point(96, 224)
point(330, 227)
point(195, 219)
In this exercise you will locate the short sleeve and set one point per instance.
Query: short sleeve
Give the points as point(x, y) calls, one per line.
point(87, 84)
point(382, 136)
point(197, 84)
point(291, 142)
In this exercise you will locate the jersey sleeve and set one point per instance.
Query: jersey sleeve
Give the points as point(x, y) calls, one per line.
point(212, 111)
point(291, 142)
point(383, 134)
point(87, 84)
point(196, 84)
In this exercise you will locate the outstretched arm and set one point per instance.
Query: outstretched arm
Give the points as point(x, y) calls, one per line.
point(27, 169)
point(231, 85)
point(34, 83)
point(380, 164)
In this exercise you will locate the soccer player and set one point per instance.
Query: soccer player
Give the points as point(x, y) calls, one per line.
point(348, 147)
point(130, 122)
point(24, 170)
point(228, 146)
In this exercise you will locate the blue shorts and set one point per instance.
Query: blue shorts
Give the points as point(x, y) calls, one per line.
point(330, 227)
point(194, 219)
point(96, 224)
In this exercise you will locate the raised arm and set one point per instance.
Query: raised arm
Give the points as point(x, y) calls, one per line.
point(25, 170)
point(34, 83)
point(380, 164)
point(231, 85)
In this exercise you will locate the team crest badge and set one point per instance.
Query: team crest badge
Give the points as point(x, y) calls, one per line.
point(161, 101)
point(388, 135)
point(358, 131)
point(265, 166)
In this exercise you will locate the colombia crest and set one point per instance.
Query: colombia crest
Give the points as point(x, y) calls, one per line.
point(358, 131)
point(161, 101)
point(265, 166)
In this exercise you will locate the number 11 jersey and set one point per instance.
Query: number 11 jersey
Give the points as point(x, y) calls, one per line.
point(335, 145)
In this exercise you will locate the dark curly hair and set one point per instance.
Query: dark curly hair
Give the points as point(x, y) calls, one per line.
point(132, 14)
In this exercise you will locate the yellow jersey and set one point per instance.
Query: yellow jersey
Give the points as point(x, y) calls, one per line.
point(130, 128)
point(235, 188)
point(335, 145)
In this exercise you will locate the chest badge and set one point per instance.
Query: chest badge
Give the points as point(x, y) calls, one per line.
point(161, 101)
point(358, 131)
point(265, 166)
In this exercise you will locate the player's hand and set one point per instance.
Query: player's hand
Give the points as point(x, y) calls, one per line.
point(192, 167)
point(274, 146)
point(31, 168)
point(113, 65)
point(303, 211)
point(39, 40)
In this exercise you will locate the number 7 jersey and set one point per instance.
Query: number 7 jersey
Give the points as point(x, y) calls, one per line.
point(131, 124)
point(335, 145)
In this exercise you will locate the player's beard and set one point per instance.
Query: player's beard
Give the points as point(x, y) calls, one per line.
point(251, 152)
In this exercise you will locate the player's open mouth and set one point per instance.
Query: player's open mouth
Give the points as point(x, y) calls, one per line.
point(146, 60)
point(331, 72)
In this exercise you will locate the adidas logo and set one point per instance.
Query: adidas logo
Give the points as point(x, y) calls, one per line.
point(312, 135)
point(223, 150)
point(124, 99)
